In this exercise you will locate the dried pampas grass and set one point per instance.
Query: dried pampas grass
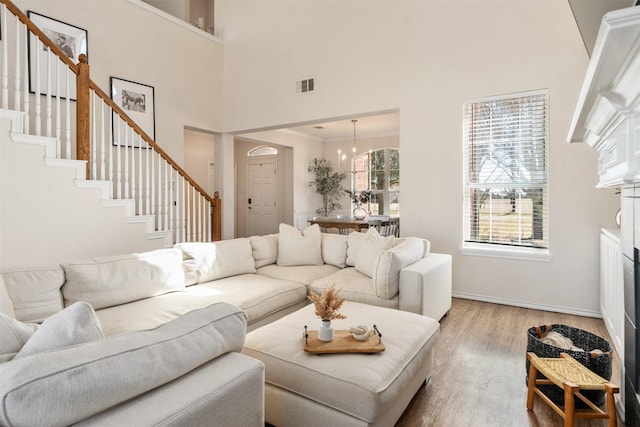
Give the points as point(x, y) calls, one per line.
point(328, 304)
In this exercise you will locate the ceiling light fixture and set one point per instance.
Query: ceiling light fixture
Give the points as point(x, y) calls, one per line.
point(343, 157)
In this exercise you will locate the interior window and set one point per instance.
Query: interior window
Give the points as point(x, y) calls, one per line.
point(379, 172)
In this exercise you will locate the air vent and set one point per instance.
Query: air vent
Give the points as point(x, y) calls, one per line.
point(305, 86)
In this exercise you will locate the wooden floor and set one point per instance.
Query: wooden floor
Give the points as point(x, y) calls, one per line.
point(479, 373)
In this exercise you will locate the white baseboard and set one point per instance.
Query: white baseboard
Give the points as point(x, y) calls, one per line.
point(544, 307)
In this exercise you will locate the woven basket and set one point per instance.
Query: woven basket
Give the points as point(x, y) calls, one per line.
point(600, 364)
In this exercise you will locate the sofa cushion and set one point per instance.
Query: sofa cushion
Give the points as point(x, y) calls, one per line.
point(6, 304)
point(387, 266)
point(76, 324)
point(34, 291)
point(334, 249)
point(354, 286)
point(217, 260)
point(259, 296)
point(297, 247)
point(13, 336)
point(265, 249)
point(354, 241)
point(305, 274)
point(112, 280)
point(67, 385)
point(372, 245)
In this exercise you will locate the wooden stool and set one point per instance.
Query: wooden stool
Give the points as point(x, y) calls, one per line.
point(571, 376)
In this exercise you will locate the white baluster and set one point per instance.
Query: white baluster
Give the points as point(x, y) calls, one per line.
point(48, 94)
point(132, 175)
point(67, 123)
point(111, 148)
point(147, 186)
point(140, 184)
point(183, 209)
point(58, 124)
point(199, 217)
point(119, 158)
point(126, 159)
point(166, 195)
point(94, 139)
point(25, 83)
point(171, 225)
point(103, 156)
point(161, 166)
point(5, 61)
point(16, 95)
point(39, 46)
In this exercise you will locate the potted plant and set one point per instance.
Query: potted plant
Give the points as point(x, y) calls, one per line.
point(328, 184)
point(327, 308)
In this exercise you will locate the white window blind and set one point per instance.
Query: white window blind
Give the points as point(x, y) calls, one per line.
point(506, 198)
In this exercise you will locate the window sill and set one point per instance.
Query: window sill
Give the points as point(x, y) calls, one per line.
point(526, 254)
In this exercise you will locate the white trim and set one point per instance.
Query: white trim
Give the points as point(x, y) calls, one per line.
point(543, 307)
point(504, 251)
point(175, 20)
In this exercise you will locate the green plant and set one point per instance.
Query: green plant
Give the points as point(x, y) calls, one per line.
point(328, 184)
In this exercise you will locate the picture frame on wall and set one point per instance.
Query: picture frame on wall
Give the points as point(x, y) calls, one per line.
point(72, 40)
point(137, 101)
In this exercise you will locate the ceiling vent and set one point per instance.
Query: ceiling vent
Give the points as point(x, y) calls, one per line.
point(305, 86)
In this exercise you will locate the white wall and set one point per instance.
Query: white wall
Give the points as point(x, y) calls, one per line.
point(45, 219)
point(425, 58)
point(198, 153)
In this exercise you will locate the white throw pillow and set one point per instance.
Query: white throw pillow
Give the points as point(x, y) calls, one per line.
point(297, 247)
point(34, 291)
point(112, 280)
point(14, 334)
point(386, 271)
point(354, 242)
point(334, 249)
point(265, 249)
point(76, 324)
point(6, 304)
point(217, 260)
point(369, 250)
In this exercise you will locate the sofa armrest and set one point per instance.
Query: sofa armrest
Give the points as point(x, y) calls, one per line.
point(425, 286)
point(67, 385)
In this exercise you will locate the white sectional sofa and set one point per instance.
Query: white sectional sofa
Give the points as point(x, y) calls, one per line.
point(146, 303)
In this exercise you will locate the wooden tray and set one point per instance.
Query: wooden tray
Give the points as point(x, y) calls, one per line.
point(343, 342)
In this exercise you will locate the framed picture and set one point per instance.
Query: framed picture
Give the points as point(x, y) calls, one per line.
point(70, 39)
point(137, 101)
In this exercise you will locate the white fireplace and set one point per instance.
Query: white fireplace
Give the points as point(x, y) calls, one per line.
point(607, 117)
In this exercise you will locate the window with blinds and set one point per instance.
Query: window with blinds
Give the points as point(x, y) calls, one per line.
point(506, 200)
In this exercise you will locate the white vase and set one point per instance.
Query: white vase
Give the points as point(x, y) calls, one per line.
point(325, 333)
point(359, 212)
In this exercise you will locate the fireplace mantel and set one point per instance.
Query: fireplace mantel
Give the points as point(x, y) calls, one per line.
point(607, 115)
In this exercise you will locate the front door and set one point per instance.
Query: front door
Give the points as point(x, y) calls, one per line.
point(261, 197)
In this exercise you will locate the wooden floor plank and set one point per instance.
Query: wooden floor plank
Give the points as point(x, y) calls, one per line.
point(479, 373)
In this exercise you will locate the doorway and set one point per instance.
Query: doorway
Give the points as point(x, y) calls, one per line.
point(262, 196)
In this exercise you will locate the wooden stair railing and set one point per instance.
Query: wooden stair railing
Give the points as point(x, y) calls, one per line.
point(155, 182)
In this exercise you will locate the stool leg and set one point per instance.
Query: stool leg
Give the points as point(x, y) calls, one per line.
point(533, 373)
point(569, 403)
point(611, 403)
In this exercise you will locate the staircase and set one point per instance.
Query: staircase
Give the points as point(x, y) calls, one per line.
point(149, 193)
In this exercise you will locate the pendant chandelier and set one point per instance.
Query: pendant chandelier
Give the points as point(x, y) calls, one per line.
point(342, 157)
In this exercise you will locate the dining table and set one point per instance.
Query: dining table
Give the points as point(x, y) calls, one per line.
point(348, 222)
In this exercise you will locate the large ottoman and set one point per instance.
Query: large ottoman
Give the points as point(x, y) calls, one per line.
point(350, 389)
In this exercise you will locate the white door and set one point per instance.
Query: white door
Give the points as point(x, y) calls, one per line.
point(261, 197)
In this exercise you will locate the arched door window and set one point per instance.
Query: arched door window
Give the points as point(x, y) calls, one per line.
point(262, 150)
